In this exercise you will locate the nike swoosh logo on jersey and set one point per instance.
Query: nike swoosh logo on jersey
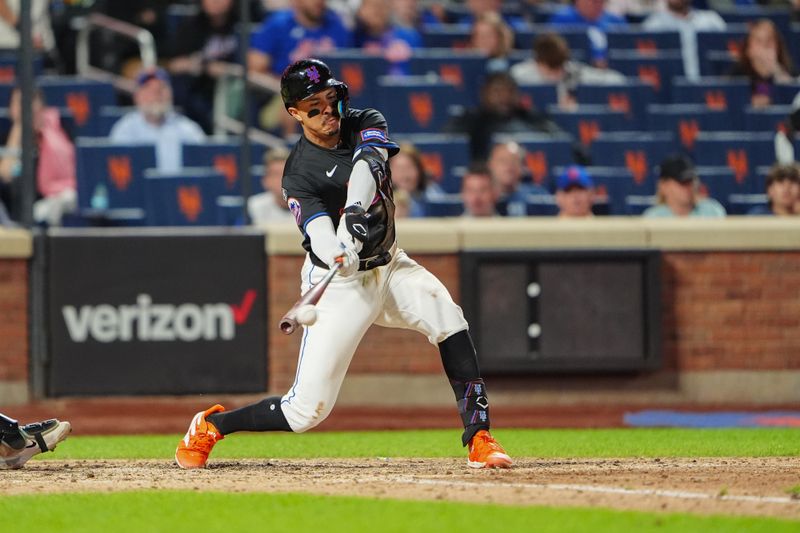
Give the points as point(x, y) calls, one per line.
point(330, 172)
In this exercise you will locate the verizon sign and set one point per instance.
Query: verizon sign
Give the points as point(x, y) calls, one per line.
point(157, 314)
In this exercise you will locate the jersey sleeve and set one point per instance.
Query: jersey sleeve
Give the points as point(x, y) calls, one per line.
point(303, 203)
point(373, 130)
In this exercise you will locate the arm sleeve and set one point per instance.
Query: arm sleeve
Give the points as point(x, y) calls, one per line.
point(324, 243)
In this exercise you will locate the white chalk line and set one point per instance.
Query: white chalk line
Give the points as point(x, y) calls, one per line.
point(678, 494)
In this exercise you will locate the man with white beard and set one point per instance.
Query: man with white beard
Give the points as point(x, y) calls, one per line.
point(155, 122)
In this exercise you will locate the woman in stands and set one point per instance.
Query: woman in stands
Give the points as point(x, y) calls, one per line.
point(783, 192)
point(408, 175)
point(494, 38)
point(765, 60)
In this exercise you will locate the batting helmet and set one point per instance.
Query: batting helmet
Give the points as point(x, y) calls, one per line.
point(303, 78)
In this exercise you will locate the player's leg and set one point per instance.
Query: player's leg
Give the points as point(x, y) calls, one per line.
point(416, 299)
point(344, 313)
point(19, 444)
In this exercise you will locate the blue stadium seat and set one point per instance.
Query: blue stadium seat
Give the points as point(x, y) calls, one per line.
point(745, 14)
point(784, 93)
point(717, 63)
point(587, 121)
point(635, 204)
point(466, 69)
point(186, 198)
point(715, 93)
point(634, 38)
point(8, 66)
point(686, 121)
point(445, 35)
point(541, 205)
point(418, 104)
point(445, 206)
point(543, 152)
point(655, 68)
point(82, 96)
point(765, 118)
point(719, 183)
point(222, 156)
point(742, 152)
point(5, 93)
point(230, 210)
point(358, 70)
point(540, 95)
point(441, 155)
point(728, 41)
point(111, 176)
point(631, 98)
point(108, 116)
point(741, 204)
point(639, 152)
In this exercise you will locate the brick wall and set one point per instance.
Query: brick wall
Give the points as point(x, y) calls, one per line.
point(13, 320)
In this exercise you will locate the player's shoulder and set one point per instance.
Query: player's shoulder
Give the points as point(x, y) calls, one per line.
point(367, 118)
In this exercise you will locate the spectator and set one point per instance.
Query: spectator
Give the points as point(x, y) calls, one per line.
point(201, 44)
point(377, 35)
point(678, 192)
point(42, 30)
point(495, 39)
point(680, 16)
point(269, 206)
point(574, 193)
point(551, 63)
point(507, 166)
point(308, 28)
point(478, 8)
point(500, 111)
point(56, 184)
point(788, 130)
point(155, 122)
point(783, 192)
point(406, 14)
point(765, 61)
point(590, 14)
point(408, 175)
point(477, 192)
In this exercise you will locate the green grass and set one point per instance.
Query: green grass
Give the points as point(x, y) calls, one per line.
point(446, 443)
point(174, 511)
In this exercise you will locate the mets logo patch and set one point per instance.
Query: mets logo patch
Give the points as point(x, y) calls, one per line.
point(294, 207)
point(373, 134)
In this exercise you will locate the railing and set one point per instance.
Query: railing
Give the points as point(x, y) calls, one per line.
point(147, 49)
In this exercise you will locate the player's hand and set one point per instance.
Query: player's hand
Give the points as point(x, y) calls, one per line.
point(357, 227)
point(349, 261)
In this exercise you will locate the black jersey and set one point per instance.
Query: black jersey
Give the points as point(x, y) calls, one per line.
point(315, 178)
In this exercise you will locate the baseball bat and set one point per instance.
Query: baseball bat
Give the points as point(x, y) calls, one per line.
point(289, 321)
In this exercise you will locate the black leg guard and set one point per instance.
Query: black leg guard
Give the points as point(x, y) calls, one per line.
point(461, 366)
point(9, 433)
point(265, 415)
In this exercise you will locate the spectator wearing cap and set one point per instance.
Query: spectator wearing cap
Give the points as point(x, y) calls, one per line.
point(574, 193)
point(270, 206)
point(155, 122)
point(783, 192)
point(679, 192)
point(478, 192)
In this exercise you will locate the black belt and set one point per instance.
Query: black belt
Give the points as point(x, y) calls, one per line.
point(363, 264)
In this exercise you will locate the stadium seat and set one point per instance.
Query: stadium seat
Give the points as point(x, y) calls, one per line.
point(358, 70)
point(445, 35)
point(631, 98)
point(742, 152)
point(82, 96)
point(657, 68)
point(108, 116)
point(645, 42)
point(222, 156)
point(639, 152)
point(539, 95)
point(466, 69)
point(543, 152)
point(729, 41)
point(785, 93)
point(635, 204)
point(686, 121)
point(441, 154)
point(587, 121)
point(717, 63)
point(230, 210)
point(186, 198)
point(445, 206)
point(110, 176)
point(8, 66)
point(418, 104)
point(715, 93)
point(744, 14)
point(719, 183)
point(541, 205)
point(765, 118)
point(741, 204)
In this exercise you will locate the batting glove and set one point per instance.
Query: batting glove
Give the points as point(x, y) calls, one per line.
point(349, 261)
point(357, 227)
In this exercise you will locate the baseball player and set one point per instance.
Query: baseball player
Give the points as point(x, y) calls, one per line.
point(338, 187)
point(19, 444)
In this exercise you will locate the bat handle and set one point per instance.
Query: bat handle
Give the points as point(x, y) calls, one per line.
point(288, 325)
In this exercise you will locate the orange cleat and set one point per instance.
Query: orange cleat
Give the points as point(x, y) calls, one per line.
point(485, 452)
point(201, 437)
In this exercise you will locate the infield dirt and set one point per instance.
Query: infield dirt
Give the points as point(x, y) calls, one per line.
point(729, 486)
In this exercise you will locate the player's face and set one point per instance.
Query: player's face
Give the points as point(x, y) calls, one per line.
point(318, 115)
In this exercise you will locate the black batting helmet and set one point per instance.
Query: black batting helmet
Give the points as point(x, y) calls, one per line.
point(303, 78)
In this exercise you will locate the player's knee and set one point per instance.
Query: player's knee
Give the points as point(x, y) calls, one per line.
point(303, 418)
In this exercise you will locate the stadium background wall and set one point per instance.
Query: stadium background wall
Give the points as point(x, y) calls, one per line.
point(730, 314)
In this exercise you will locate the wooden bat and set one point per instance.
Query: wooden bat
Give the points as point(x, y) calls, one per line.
point(289, 321)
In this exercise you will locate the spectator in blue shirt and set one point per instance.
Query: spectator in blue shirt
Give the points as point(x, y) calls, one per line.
point(478, 8)
point(783, 192)
point(590, 14)
point(377, 35)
